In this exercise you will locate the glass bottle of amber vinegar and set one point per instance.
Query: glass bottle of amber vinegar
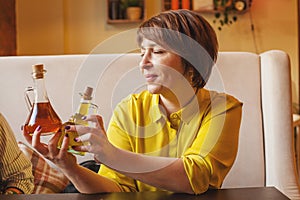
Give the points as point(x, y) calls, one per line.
point(41, 112)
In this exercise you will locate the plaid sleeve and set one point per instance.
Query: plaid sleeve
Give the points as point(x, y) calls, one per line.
point(46, 178)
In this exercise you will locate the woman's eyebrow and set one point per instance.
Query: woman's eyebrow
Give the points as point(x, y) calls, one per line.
point(148, 46)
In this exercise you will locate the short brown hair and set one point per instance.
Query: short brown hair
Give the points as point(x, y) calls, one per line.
point(189, 35)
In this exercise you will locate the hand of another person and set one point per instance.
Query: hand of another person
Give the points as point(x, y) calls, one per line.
point(13, 190)
point(61, 157)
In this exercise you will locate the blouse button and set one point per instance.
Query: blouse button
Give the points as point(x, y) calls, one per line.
point(174, 116)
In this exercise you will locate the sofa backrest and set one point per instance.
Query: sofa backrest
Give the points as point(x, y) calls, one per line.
point(266, 155)
point(247, 76)
point(240, 75)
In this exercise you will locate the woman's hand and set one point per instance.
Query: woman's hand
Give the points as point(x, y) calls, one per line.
point(94, 137)
point(61, 157)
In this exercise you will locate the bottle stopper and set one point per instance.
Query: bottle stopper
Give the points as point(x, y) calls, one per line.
point(38, 71)
point(87, 95)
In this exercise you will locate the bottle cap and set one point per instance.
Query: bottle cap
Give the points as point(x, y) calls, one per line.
point(87, 95)
point(38, 71)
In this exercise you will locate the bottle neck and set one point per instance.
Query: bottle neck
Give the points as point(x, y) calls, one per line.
point(40, 91)
point(83, 107)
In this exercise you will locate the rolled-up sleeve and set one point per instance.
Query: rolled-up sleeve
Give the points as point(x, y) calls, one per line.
point(211, 155)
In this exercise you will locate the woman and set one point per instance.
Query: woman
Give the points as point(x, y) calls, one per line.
point(176, 135)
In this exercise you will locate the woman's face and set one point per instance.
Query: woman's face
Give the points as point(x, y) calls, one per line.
point(162, 69)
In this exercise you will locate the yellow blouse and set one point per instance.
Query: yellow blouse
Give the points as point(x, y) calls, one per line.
point(204, 134)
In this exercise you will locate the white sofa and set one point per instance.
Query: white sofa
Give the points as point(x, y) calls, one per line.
point(262, 82)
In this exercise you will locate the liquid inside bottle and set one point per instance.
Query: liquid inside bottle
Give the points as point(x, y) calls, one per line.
point(41, 112)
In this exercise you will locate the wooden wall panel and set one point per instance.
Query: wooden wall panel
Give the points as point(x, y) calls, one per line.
point(7, 28)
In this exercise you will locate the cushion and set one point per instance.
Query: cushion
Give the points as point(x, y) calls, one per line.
point(46, 178)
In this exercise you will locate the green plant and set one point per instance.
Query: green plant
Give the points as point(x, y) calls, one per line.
point(225, 13)
point(131, 3)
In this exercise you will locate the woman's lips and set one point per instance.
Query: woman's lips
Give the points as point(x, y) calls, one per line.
point(150, 77)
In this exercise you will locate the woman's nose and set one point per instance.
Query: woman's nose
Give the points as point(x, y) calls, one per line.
point(146, 60)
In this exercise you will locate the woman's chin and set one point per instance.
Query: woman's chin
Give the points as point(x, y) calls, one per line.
point(154, 89)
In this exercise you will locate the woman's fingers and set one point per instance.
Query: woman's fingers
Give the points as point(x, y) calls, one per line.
point(52, 145)
point(59, 156)
point(36, 141)
point(92, 136)
point(64, 146)
point(83, 130)
point(97, 120)
point(80, 129)
point(27, 137)
point(84, 148)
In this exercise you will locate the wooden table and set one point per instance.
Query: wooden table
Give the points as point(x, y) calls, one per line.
point(261, 193)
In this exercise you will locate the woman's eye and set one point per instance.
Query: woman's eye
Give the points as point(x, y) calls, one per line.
point(142, 52)
point(158, 51)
